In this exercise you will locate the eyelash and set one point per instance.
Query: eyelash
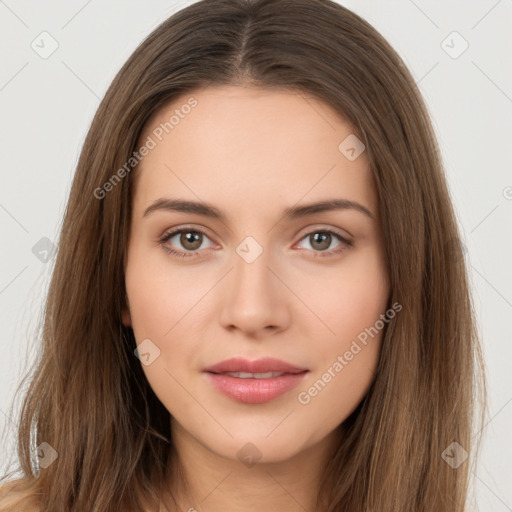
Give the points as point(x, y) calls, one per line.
point(345, 243)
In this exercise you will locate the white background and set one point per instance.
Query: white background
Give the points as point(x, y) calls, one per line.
point(48, 104)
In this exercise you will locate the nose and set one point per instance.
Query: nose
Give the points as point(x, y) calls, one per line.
point(254, 299)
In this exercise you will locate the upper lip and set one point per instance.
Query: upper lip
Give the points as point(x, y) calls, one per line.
point(267, 364)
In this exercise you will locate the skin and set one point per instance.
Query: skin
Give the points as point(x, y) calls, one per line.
point(252, 153)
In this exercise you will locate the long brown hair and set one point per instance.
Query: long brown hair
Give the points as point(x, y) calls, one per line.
point(88, 397)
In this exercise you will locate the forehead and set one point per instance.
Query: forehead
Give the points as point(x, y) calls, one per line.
point(238, 146)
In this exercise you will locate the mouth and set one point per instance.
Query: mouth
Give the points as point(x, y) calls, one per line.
point(248, 375)
point(259, 366)
point(254, 382)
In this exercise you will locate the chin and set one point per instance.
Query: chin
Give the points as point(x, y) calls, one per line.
point(257, 448)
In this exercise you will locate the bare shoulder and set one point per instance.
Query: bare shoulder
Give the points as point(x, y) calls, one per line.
point(14, 497)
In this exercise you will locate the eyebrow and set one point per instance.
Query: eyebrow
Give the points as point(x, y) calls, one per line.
point(294, 212)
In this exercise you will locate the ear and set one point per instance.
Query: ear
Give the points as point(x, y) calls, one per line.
point(127, 319)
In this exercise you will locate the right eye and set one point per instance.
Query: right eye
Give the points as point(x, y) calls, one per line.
point(190, 239)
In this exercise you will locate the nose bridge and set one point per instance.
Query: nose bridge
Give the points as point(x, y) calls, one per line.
point(251, 273)
point(254, 299)
point(254, 270)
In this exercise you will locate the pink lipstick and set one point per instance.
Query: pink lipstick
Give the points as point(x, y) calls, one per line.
point(254, 382)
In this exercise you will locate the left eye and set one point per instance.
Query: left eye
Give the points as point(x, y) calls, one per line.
point(191, 240)
point(322, 240)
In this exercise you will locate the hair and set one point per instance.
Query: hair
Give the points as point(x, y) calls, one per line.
point(87, 395)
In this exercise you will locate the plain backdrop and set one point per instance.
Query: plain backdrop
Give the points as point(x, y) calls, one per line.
point(459, 53)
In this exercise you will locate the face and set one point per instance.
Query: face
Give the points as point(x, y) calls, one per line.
point(293, 297)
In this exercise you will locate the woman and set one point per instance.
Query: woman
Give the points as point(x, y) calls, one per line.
point(260, 300)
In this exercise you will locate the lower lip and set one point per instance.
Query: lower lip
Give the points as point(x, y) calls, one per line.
point(255, 391)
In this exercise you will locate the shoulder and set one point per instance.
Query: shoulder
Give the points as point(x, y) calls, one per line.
point(15, 494)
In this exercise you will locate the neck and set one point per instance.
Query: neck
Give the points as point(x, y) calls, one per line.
point(213, 483)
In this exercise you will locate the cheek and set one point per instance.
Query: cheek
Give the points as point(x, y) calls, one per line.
point(350, 299)
point(167, 306)
point(161, 306)
point(159, 298)
point(347, 355)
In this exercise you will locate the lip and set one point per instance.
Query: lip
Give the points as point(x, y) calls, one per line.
point(267, 364)
point(254, 391)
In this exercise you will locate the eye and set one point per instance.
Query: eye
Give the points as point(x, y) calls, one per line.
point(190, 239)
point(321, 239)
